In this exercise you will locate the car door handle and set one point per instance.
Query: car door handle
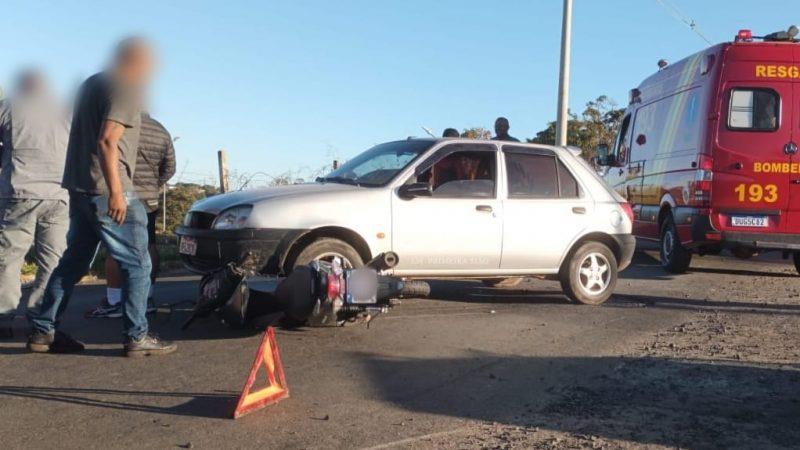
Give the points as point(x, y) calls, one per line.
point(579, 210)
point(483, 208)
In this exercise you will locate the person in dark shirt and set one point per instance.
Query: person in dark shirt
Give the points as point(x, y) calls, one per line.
point(501, 128)
point(104, 207)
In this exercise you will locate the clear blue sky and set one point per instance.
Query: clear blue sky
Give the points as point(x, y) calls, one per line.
point(288, 84)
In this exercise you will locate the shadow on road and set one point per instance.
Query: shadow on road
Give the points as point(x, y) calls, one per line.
point(645, 400)
point(197, 405)
point(470, 291)
point(627, 300)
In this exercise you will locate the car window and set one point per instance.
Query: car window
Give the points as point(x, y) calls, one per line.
point(467, 172)
point(567, 184)
point(539, 176)
point(753, 109)
point(531, 175)
point(378, 165)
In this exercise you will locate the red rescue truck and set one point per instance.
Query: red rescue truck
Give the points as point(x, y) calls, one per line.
point(707, 151)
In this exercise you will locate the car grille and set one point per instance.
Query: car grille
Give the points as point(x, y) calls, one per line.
point(201, 220)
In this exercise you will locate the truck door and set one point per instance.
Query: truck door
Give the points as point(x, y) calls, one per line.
point(620, 175)
point(753, 157)
point(793, 221)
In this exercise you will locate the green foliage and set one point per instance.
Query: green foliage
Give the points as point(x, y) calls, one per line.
point(597, 124)
point(476, 133)
point(180, 198)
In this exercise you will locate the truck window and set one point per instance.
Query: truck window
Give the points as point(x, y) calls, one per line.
point(621, 146)
point(753, 109)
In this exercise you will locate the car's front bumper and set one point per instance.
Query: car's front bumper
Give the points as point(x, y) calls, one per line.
point(259, 249)
point(627, 245)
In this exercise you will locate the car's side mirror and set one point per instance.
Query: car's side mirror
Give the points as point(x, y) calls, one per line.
point(409, 191)
point(603, 157)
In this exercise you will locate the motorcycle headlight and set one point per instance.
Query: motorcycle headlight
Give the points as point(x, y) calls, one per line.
point(233, 218)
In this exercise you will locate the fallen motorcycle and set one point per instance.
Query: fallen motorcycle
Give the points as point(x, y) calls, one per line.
point(320, 294)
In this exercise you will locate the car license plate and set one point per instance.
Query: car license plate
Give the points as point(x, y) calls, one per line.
point(188, 246)
point(750, 221)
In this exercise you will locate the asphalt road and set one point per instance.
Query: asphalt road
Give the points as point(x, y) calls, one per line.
point(471, 367)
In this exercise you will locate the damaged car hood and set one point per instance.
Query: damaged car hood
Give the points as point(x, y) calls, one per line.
point(220, 202)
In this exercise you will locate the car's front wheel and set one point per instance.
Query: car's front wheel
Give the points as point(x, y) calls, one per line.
point(590, 275)
point(326, 249)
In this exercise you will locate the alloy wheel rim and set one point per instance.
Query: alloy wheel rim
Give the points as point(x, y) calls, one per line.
point(329, 256)
point(669, 244)
point(594, 274)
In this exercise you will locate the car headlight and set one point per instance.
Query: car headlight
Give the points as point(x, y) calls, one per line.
point(233, 218)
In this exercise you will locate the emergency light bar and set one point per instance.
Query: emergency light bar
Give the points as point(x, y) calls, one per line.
point(789, 35)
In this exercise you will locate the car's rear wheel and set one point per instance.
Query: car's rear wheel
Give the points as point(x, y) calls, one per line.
point(675, 258)
point(502, 282)
point(326, 249)
point(590, 275)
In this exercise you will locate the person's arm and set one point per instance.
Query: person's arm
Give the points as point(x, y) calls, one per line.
point(4, 122)
point(109, 164)
point(167, 167)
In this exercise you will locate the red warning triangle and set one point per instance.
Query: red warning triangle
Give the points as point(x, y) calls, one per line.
point(275, 390)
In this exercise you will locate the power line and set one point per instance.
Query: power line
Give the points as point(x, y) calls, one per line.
point(676, 14)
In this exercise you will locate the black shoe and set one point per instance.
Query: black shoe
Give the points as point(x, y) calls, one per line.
point(58, 342)
point(147, 345)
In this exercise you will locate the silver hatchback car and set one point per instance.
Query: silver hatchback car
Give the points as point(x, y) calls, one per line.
point(491, 210)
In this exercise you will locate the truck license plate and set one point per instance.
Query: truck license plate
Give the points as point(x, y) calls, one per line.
point(188, 246)
point(750, 221)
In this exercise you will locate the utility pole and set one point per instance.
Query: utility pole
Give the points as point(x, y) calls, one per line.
point(223, 171)
point(562, 120)
point(164, 212)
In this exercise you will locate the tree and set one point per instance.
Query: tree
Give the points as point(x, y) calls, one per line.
point(598, 124)
point(180, 198)
point(476, 133)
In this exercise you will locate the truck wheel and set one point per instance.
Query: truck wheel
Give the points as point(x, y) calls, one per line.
point(326, 249)
point(796, 257)
point(590, 275)
point(502, 282)
point(675, 258)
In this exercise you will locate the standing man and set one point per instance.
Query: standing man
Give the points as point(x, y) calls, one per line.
point(34, 129)
point(501, 128)
point(155, 165)
point(101, 162)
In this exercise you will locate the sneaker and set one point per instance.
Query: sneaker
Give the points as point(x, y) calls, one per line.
point(57, 342)
point(105, 310)
point(151, 306)
point(147, 345)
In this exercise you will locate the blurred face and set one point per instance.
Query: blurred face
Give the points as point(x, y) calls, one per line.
point(136, 63)
point(501, 127)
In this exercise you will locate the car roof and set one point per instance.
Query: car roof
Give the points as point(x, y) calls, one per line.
point(571, 149)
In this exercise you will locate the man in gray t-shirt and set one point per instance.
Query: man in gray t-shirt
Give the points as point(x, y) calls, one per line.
point(103, 97)
point(34, 128)
point(101, 159)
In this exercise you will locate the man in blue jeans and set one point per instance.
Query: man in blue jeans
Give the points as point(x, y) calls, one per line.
point(100, 165)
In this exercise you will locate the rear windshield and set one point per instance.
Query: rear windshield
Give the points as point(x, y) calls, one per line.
point(754, 109)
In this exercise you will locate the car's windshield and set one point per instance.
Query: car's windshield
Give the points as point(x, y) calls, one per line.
point(378, 165)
